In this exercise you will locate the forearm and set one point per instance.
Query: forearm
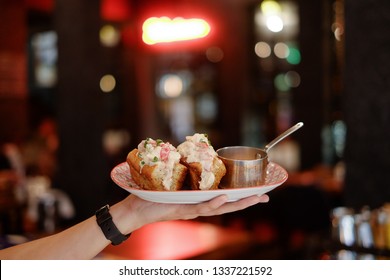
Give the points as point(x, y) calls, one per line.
point(82, 241)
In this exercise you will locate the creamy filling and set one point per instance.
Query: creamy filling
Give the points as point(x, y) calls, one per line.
point(162, 155)
point(197, 148)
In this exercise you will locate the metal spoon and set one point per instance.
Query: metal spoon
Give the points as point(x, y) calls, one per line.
point(282, 136)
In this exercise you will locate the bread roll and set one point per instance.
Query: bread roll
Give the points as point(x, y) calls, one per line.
point(205, 169)
point(155, 165)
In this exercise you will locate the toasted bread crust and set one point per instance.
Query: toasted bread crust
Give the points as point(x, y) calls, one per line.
point(195, 173)
point(149, 178)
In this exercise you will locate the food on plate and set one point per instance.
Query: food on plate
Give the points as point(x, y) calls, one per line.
point(155, 165)
point(205, 169)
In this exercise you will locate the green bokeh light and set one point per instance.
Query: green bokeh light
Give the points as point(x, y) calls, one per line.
point(280, 83)
point(294, 56)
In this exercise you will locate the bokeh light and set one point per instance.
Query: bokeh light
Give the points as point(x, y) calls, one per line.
point(280, 83)
point(262, 49)
point(292, 79)
point(162, 30)
point(294, 56)
point(274, 23)
point(270, 7)
point(107, 83)
point(170, 86)
point(214, 54)
point(109, 36)
point(281, 50)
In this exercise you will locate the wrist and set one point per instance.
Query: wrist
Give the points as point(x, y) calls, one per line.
point(125, 216)
point(108, 227)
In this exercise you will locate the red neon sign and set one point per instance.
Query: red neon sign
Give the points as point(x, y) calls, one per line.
point(163, 30)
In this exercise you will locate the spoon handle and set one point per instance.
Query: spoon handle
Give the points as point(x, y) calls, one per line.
point(282, 136)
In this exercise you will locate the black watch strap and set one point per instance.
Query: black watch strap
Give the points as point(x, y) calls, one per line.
point(111, 232)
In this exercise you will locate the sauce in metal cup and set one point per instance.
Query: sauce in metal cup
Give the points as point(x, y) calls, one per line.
point(245, 166)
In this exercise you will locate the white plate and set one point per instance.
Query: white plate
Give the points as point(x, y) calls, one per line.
point(276, 176)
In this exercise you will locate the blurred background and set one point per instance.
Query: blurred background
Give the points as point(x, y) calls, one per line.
point(83, 82)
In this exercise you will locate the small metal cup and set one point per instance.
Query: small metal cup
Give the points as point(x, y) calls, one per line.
point(245, 166)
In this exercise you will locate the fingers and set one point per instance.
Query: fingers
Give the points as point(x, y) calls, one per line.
point(215, 203)
point(219, 205)
point(202, 209)
point(264, 198)
point(238, 205)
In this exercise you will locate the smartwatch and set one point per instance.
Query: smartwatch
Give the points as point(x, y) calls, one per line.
point(111, 232)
